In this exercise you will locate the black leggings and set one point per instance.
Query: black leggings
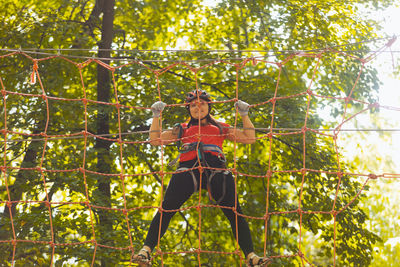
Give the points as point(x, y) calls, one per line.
point(182, 186)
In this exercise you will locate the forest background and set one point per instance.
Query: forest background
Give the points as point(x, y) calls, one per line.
point(140, 30)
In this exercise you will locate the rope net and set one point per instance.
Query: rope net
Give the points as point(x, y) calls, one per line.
point(54, 183)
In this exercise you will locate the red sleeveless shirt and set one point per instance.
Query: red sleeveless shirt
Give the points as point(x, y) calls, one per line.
point(209, 134)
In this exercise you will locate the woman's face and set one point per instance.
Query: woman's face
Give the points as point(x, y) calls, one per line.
point(198, 109)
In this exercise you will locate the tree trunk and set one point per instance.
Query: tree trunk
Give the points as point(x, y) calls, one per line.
point(104, 160)
point(17, 189)
point(29, 161)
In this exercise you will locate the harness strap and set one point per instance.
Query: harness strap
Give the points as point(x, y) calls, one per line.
point(205, 147)
point(201, 148)
point(209, 180)
point(213, 172)
point(193, 177)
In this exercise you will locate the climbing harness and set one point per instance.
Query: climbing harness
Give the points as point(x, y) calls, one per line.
point(201, 148)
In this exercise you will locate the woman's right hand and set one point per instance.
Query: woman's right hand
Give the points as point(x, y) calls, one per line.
point(157, 108)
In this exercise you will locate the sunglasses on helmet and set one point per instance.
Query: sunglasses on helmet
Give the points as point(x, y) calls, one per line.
point(193, 95)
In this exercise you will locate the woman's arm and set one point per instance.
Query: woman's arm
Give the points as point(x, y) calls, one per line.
point(159, 137)
point(247, 135)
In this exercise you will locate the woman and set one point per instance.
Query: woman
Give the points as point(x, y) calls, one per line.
point(203, 150)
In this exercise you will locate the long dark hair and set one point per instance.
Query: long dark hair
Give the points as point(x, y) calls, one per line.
point(209, 119)
point(198, 93)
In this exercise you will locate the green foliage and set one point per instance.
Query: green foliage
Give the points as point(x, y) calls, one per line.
point(232, 25)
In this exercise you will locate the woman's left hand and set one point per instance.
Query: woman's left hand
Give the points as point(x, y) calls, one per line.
point(243, 107)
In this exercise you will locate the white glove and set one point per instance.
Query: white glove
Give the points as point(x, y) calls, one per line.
point(243, 107)
point(157, 108)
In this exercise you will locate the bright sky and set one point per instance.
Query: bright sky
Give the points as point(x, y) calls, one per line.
point(389, 94)
point(390, 91)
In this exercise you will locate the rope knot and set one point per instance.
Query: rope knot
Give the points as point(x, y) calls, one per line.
point(201, 169)
point(391, 41)
point(34, 70)
point(238, 252)
point(372, 176)
point(35, 64)
point(374, 105)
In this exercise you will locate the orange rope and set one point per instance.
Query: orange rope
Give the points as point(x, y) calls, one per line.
point(84, 170)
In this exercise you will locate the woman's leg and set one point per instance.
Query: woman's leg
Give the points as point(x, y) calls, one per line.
point(180, 188)
point(243, 234)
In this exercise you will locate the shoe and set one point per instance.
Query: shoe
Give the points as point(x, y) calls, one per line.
point(256, 261)
point(143, 258)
